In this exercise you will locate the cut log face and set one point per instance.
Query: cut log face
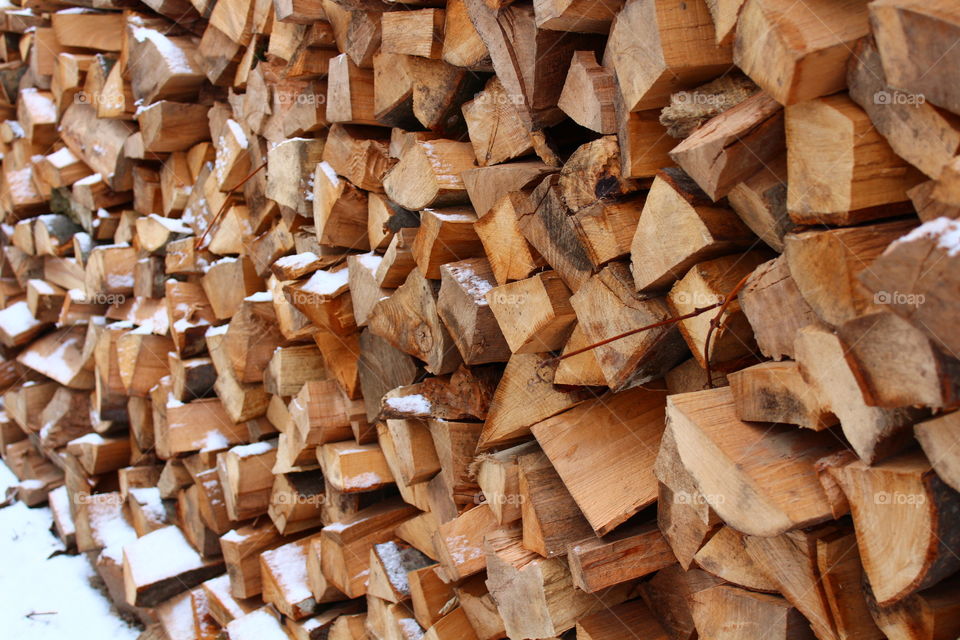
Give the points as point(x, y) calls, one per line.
point(484, 319)
point(826, 265)
point(873, 432)
point(777, 392)
point(699, 231)
point(917, 269)
point(756, 613)
point(522, 578)
point(525, 396)
point(607, 306)
point(428, 175)
point(905, 493)
point(730, 460)
point(626, 426)
point(677, 51)
point(798, 53)
point(842, 171)
point(908, 59)
point(734, 145)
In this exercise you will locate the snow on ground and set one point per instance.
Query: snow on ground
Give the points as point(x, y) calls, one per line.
point(56, 590)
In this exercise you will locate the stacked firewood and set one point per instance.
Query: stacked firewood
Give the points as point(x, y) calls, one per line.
point(480, 319)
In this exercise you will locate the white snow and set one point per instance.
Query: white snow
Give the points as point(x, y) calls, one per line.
point(475, 285)
point(174, 56)
point(214, 441)
point(41, 286)
point(365, 480)
point(217, 331)
point(259, 624)
point(159, 555)
point(392, 559)
point(119, 280)
point(297, 261)
point(260, 296)
point(90, 438)
point(415, 403)
point(17, 318)
point(58, 591)
point(238, 135)
point(151, 503)
point(461, 551)
point(329, 172)
point(255, 449)
point(944, 230)
point(370, 261)
point(411, 629)
point(173, 225)
point(234, 536)
point(453, 216)
point(289, 567)
point(326, 283)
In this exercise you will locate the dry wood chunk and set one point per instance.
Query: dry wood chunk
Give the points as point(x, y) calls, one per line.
point(706, 284)
point(873, 432)
point(732, 613)
point(657, 48)
point(842, 171)
point(731, 462)
point(428, 174)
point(734, 145)
point(913, 276)
point(607, 305)
point(608, 435)
point(798, 52)
point(535, 595)
point(462, 305)
point(525, 396)
point(534, 314)
point(679, 227)
point(902, 494)
point(777, 392)
point(162, 564)
point(915, 40)
point(625, 555)
point(588, 94)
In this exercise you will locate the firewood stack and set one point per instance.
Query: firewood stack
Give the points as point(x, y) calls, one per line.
point(483, 319)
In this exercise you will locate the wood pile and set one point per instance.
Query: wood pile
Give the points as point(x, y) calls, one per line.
point(480, 319)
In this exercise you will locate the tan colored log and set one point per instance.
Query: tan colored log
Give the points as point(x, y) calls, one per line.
point(660, 65)
point(842, 171)
point(798, 53)
point(699, 231)
point(707, 418)
point(902, 492)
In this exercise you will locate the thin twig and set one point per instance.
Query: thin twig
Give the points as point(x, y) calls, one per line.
point(715, 322)
point(226, 202)
point(627, 334)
